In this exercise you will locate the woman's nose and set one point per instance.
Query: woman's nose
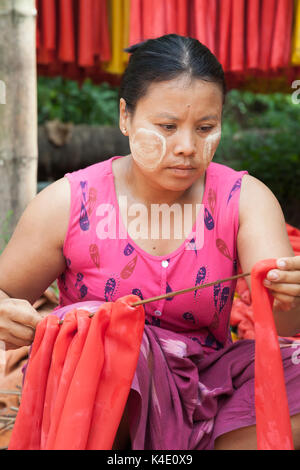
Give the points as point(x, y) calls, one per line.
point(185, 143)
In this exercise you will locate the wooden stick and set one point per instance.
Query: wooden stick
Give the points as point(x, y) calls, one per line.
point(190, 289)
point(178, 292)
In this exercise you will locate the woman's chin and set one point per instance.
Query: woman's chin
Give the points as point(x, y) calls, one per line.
point(176, 184)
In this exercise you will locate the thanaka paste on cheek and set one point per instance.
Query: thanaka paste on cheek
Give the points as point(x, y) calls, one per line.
point(210, 145)
point(148, 148)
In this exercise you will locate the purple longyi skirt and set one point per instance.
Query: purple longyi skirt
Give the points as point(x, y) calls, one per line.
point(183, 399)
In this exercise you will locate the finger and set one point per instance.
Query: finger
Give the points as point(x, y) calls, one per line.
point(289, 264)
point(276, 276)
point(9, 346)
point(285, 302)
point(23, 332)
point(12, 342)
point(287, 289)
point(22, 312)
point(15, 330)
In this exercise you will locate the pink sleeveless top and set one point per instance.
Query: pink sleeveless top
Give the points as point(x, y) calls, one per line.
point(105, 267)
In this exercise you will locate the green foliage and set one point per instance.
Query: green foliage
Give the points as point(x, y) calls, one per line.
point(261, 135)
point(244, 109)
point(66, 101)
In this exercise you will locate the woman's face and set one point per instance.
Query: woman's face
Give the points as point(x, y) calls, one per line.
point(175, 130)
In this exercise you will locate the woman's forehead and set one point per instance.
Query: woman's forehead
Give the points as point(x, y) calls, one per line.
point(174, 97)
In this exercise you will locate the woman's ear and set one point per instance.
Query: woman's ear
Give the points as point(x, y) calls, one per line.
point(123, 121)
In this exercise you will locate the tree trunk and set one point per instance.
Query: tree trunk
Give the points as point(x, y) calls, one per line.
point(84, 146)
point(18, 114)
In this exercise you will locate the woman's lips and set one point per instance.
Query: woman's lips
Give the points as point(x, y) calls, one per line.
point(182, 170)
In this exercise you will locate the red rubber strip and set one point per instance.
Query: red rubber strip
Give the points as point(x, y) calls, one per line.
point(273, 425)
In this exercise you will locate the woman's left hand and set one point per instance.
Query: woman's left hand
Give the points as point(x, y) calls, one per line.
point(284, 283)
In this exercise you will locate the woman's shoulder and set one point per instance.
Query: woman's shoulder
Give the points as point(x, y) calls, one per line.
point(50, 207)
point(254, 194)
point(94, 171)
point(221, 170)
point(225, 181)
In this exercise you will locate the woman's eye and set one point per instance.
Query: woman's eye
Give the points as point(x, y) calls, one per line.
point(167, 127)
point(205, 128)
point(171, 127)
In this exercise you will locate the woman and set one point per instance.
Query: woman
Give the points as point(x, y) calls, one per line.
point(164, 218)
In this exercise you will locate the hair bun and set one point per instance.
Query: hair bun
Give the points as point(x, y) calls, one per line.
point(134, 47)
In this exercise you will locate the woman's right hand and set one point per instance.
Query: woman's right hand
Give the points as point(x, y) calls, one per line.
point(18, 321)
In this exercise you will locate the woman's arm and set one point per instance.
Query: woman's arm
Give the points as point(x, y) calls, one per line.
point(31, 261)
point(262, 235)
point(33, 258)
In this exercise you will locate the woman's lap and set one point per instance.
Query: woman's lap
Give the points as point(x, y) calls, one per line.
point(183, 399)
point(238, 410)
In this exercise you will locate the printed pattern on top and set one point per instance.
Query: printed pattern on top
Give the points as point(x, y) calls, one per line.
point(112, 265)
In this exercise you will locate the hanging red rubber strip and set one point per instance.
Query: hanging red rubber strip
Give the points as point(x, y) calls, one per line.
point(63, 353)
point(212, 26)
point(101, 31)
point(268, 11)
point(26, 433)
point(136, 22)
point(252, 37)
point(237, 45)
point(273, 425)
point(46, 19)
point(38, 27)
point(66, 42)
point(182, 16)
point(200, 20)
point(85, 36)
point(49, 24)
point(224, 33)
point(70, 357)
point(121, 348)
point(171, 17)
point(281, 44)
point(153, 18)
point(74, 422)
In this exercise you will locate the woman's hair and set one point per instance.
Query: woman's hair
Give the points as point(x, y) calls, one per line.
point(166, 58)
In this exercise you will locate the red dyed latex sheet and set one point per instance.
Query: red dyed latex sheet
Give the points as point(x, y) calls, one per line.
point(78, 378)
point(273, 426)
